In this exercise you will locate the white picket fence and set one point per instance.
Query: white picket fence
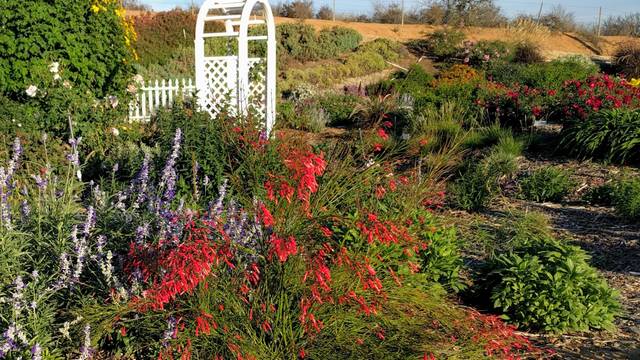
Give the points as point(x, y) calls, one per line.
point(154, 95)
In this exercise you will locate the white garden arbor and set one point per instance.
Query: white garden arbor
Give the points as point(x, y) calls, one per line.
point(236, 82)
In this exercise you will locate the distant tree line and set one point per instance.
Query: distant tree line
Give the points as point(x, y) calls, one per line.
point(483, 13)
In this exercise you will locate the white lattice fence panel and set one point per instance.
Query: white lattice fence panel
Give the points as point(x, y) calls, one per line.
point(221, 84)
point(257, 86)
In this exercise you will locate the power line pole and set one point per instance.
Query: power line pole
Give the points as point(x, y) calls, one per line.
point(540, 12)
point(599, 21)
point(334, 10)
point(402, 10)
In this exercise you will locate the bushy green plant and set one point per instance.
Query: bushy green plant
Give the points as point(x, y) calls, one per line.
point(473, 189)
point(626, 199)
point(415, 81)
point(546, 285)
point(441, 44)
point(301, 42)
point(441, 260)
point(548, 76)
point(339, 107)
point(610, 134)
point(340, 38)
point(546, 184)
point(91, 41)
point(486, 52)
point(502, 158)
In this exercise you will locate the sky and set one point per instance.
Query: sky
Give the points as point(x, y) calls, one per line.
point(585, 11)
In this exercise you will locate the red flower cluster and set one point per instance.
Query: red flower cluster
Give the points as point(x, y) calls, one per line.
point(384, 232)
point(305, 166)
point(597, 93)
point(283, 248)
point(184, 267)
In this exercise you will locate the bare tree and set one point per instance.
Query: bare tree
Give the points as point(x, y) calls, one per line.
point(135, 5)
point(299, 9)
point(325, 13)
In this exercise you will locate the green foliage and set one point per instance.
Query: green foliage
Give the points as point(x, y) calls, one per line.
point(368, 58)
point(546, 184)
point(610, 134)
point(626, 199)
point(527, 53)
point(162, 34)
point(546, 285)
point(473, 189)
point(442, 44)
point(551, 75)
point(485, 52)
point(441, 260)
point(414, 82)
point(502, 158)
point(301, 42)
point(339, 107)
point(91, 46)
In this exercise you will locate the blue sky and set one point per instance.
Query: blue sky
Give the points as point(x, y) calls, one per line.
point(584, 10)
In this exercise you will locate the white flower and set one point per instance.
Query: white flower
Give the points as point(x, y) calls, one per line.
point(56, 77)
point(114, 131)
point(138, 79)
point(66, 84)
point(132, 89)
point(54, 67)
point(32, 91)
point(113, 101)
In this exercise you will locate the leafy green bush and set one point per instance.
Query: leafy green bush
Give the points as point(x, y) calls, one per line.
point(602, 195)
point(415, 82)
point(549, 76)
point(339, 107)
point(441, 260)
point(486, 52)
point(626, 199)
point(442, 44)
point(89, 39)
point(546, 285)
point(527, 53)
point(546, 184)
point(610, 134)
point(301, 42)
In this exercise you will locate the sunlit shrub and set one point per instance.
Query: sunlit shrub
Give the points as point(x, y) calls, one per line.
point(546, 184)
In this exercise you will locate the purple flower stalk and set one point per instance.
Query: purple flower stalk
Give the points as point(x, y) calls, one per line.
point(73, 156)
point(85, 349)
point(168, 179)
point(36, 352)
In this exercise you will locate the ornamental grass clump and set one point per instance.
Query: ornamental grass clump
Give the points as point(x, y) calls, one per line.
point(546, 184)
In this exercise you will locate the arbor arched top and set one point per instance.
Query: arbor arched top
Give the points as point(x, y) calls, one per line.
point(236, 82)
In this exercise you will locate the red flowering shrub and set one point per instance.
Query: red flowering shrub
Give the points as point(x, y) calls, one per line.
point(581, 98)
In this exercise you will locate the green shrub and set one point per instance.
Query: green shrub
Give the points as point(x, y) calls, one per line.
point(441, 260)
point(626, 199)
point(546, 285)
point(546, 184)
point(91, 44)
point(602, 195)
point(339, 107)
point(610, 134)
point(486, 52)
point(486, 136)
point(414, 82)
point(502, 158)
point(627, 59)
point(340, 38)
point(549, 76)
point(474, 188)
point(163, 33)
point(442, 44)
point(527, 53)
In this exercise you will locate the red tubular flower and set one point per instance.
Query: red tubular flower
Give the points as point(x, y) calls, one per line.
point(326, 231)
point(377, 147)
point(383, 134)
point(283, 248)
point(265, 216)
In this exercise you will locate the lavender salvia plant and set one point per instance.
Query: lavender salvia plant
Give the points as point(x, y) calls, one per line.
point(85, 349)
point(168, 178)
point(6, 183)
